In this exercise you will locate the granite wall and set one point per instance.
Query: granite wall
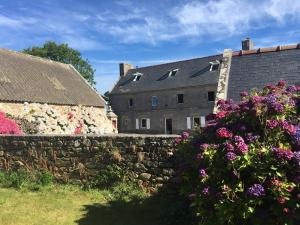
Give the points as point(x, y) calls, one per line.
point(147, 159)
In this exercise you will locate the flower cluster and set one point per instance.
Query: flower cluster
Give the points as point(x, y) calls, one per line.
point(8, 126)
point(247, 160)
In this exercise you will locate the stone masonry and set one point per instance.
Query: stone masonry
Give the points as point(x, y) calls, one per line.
point(148, 160)
point(58, 119)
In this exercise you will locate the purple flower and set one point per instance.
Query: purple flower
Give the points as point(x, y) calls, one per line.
point(256, 99)
point(229, 147)
point(205, 191)
point(272, 124)
point(251, 138)
point(283, 154)
point(297, 157)
point(230, 156)
point(204, 146)
point(202, 173)
point(238, 139)
point(281, 83)
point(277, 107)
point(185, 135)
point(271, 99)
point(242, 148)
point(178, 140)
point(292, 88)
point(244, 94)
point(256, 190)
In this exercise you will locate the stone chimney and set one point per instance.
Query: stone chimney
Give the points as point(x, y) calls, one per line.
point(247, 44)
point(124, 67)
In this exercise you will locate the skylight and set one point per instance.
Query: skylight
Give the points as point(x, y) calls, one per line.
point(214, 65)
point(137, 76)
point(172, 73)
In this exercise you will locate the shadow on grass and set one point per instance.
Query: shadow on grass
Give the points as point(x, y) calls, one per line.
point(159, 209)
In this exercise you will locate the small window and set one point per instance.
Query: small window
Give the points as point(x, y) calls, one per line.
point(154, 101)
point(211, 96)
point(143, 123)
point(137, 76)
point(130, 102)
point(196, 122)
point(214, 66)
point(180, 98)
point(173, 73)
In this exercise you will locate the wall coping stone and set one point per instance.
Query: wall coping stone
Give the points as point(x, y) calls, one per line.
point(95, 135)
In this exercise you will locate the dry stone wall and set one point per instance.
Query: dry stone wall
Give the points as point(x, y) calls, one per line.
point(56, 119)
point(148, 160)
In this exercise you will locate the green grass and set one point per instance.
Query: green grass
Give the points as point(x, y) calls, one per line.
point(68, 205)
point(33, 199)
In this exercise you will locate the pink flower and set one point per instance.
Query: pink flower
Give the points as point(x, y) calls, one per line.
point(281, 83)
point(281, 200)
point(185, 135)
point(223, 133)
point(272, 124)
point(178, 140)
point(221, 114)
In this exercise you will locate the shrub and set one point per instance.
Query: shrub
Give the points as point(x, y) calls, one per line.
point(244, 167)
point(108, 177)
point(8, 126)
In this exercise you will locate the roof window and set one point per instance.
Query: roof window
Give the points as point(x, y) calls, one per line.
point(137, 76)
point(172, 73)
point(214, 65)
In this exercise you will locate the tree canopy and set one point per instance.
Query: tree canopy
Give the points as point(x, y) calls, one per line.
point(65, 54)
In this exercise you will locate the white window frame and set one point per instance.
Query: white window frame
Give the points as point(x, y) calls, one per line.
point(202, 121)
point(137, 126)
point(173, 71)
point(137, 76)
point(214, 63)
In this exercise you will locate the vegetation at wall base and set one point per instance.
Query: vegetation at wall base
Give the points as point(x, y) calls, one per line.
point(244, 167)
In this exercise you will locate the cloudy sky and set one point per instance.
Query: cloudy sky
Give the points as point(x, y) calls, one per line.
point(146, 32)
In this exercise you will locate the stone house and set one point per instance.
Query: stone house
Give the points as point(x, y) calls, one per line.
point(53, 96)
point(173, 97)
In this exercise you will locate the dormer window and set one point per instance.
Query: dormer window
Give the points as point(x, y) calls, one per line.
point(137, 76)
point(214, 65)
point(172, 73)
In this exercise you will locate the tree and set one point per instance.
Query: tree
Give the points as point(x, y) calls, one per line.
point(63, 53)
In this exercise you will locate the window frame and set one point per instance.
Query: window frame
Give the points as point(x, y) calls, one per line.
point(196, 117)
point(152, 101)
point(130, 100)
point(141, 125)
point(182, 98)
point(209, 95)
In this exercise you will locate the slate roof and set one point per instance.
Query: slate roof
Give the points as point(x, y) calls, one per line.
point(258, 67)
point(33, 79)
point(191, 72)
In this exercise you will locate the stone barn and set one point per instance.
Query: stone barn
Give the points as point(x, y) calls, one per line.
point(50, 97)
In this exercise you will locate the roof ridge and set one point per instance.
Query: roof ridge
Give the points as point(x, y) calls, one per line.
point(277, 48)
point(35, 57)
point(183, 60)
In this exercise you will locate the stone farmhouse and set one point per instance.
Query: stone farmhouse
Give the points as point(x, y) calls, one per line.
point(177, 96)
point(53, 96)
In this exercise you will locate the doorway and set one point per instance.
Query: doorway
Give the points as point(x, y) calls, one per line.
point(169, 128)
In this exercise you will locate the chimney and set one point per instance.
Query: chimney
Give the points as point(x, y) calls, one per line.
point(124, 67)
point(247, 44)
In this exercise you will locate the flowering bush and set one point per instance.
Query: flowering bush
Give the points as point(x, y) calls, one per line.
point(244, 167)
point(8, 126)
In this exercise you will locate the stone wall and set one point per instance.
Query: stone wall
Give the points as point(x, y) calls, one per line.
point(56, 119)
point(149, 160)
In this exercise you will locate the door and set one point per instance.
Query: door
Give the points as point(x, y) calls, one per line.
point(169, 128)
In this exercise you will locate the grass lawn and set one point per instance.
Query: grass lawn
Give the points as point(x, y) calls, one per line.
point(67, 205)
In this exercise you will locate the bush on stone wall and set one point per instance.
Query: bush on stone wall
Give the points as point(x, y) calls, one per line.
point(244, 168)
point(8, 126)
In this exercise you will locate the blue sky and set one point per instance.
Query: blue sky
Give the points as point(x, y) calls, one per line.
point(146, 32)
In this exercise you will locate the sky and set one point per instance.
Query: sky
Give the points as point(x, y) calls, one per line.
point(146, 32)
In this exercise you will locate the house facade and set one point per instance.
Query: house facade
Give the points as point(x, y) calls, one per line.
point(52, 97)
point(177, 96)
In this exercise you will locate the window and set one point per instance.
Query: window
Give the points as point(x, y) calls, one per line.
point(214, 65)
point(143, 123)
point(180, 98)
point(130, 102)
point(196, 122)
point(172, 73)
point(154, 101)
point(211, 96)
point(137, 76)
point(203, 121)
